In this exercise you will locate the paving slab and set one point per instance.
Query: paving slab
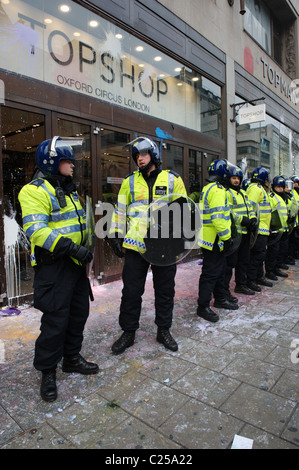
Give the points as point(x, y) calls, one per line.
point(237, 376)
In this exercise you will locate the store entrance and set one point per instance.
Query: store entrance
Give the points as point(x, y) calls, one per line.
point(22, 131)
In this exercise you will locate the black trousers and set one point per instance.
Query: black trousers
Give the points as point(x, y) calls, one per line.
point(240, 261)
point(61, 292)
point(257, 257)
point(134, 277)
point(212, 276)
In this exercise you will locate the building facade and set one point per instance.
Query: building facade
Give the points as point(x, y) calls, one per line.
point(179, 72)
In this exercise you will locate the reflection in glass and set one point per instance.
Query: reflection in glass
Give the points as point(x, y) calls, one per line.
point(82, 52)
point(270, 144)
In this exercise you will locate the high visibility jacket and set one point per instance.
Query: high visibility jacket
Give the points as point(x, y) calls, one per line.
point(277, 202)
point(240, 205)
point(215, 213)
point(45, 222)
point(134, 198)
point(195, 196)
point(259, 199)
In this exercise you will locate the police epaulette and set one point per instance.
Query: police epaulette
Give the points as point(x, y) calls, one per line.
point(129, 175)
point(37, 182)
point(174, 173)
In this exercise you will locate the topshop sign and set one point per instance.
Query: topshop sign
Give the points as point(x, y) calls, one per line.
point(100, 66)
point(275, 79)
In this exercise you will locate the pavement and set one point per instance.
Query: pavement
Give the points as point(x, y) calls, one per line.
point(237, 379)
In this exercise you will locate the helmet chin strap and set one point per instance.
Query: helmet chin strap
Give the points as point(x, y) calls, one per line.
point(145, 168)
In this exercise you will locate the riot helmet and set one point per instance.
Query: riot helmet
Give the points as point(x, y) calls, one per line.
point(278, 181)
point(218, 171)
point(234, 170)
point(260, 175)
point(195, 186)
point(245, 183)
point(50, 152)
point(143, 145)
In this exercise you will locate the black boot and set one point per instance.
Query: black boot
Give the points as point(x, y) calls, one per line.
point(78, 364)
point(240, 289)
point(48, 389)
point(164, 337)
point(280, 273)
point(271, 276)
point(207, 313)
point(124, 341)
point(263, 282)
point(253, 286)
point(225, 304)
point(231, 298)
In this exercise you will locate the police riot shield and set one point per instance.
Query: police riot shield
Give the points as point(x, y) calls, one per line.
point(236, 232)
point(170, 230)
point(90, 241)
point(276, 227)
point(254, 234)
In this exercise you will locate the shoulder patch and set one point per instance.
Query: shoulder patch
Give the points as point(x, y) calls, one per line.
point(37, 182)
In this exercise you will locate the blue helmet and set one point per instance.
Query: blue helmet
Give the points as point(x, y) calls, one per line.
point(218, 169)
point(295, 179)
point(245, 183)
point(278, 181)
point(234, 170)
point(49, 153)
point(145, 145)
point(260, 175)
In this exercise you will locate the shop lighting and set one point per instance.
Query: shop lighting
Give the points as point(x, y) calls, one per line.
point(76, 34)
point(93, 23)
point(195, 79)
point(158, 58)
point(48, 21)
point(64, 8)
point(139, 48)
point(118, 36)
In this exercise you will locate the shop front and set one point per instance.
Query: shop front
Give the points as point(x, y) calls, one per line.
point(70, 72)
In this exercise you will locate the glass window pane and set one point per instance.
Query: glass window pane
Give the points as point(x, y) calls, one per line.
point(82, 52)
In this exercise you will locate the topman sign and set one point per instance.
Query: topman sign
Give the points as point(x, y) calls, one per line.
point(252, 114)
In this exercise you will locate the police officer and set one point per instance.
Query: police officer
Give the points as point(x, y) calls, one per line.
point(278, 203)
point(241, 207)
point(214, 240)
point(195, 191)
point(55, 223)
point(137, 192)
point(257, 193)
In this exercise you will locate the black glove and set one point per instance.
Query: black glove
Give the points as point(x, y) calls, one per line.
point(227, 245)
point(80, 253)
point(66, 247)
point(245, 221)
point(253, 225)
point(116, 245)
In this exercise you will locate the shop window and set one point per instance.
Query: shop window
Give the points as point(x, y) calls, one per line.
point(267, 143)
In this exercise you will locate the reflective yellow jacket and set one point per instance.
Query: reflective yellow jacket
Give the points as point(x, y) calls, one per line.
point(215, 214)
point(129, 218)
point(259, 199)
point(280, 205)
point(240, 205)
point(45, 222)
